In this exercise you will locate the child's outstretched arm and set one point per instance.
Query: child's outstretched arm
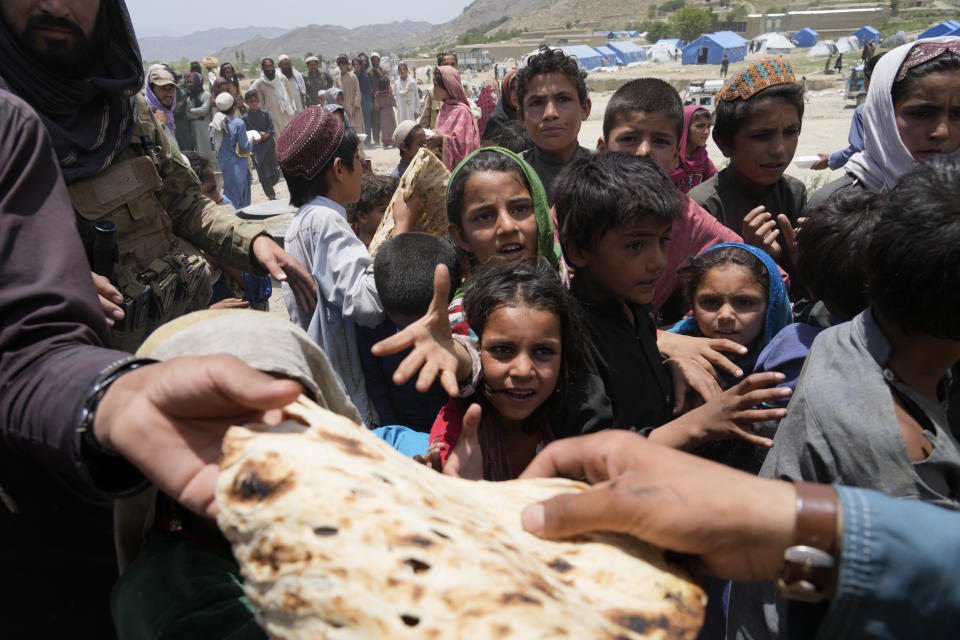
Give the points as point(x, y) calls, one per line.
point(726, 416)
point(435, 352)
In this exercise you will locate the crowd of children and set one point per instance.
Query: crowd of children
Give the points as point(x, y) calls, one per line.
point(578, 291)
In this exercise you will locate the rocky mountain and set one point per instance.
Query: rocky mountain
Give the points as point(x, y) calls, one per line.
point(328, 40)
point(202, 43)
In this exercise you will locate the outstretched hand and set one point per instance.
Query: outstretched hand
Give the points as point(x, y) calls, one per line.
point(706, 352)
point(435, 353)
point(738, 524)
point(285, 268)
point(728, 416)
point(168, 419)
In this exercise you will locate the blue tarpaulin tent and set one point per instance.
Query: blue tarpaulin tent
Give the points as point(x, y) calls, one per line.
point(866, 34)
point(673, 42)
point(942, 29)
point(806, 37)
point(587, 57)
point(710, 48)
point(612, 58)
point(629, 52)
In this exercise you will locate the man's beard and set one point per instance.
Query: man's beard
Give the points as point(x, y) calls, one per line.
point(270, 74)
point(289, 73)
point(58, 55)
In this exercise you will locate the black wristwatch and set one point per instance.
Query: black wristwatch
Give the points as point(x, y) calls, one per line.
point(107, 471)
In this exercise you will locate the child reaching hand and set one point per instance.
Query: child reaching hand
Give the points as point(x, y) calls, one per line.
point(735, 292)
point(693, 164)
point(530, 348)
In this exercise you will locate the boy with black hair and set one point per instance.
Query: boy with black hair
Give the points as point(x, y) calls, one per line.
point(870, 409)
point(616, 212)
point(320, 160)
point(552, 103)
point(832, 265)
point(757, 125)
point(264, 149)
point(644, 117)
point(365, 215)
point(403, 271)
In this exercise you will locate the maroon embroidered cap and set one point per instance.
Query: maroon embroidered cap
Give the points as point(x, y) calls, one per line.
point(308, 142)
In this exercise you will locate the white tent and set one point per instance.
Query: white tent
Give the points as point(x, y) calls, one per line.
point(822, 48)
point(773, 43)
point(848, 43)
point(663, 53)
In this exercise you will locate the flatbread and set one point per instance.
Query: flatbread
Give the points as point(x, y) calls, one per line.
point(425, 175)
point(340, 536)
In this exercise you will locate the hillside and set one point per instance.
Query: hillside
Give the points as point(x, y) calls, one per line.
point(328, 40)
point(199, 44)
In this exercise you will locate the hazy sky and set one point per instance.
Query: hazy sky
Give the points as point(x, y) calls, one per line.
point(180, 17)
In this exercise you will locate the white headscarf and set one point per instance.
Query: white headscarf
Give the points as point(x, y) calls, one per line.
point(885, 159)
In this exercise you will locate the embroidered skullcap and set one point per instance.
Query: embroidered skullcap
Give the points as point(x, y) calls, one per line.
point(307, 143)
point(756, 77)
point(312, 59)
point(925, 52)
point(224, 101)
point(283, 57)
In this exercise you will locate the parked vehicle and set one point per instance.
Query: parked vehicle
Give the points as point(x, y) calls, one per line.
point(854, 89)
point(702, 93)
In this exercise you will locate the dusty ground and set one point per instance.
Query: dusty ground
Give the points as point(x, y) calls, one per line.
point(826, 122)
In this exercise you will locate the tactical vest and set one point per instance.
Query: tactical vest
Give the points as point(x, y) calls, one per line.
point(160, 275)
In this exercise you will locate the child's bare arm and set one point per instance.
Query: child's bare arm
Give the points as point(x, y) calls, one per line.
point(435, 353)
point(726, 416)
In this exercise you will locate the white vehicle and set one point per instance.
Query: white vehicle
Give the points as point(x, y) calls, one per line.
point(702, 93)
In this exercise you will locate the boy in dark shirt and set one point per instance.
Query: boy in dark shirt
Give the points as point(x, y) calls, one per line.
point(615, 213)
point(552, 103)
point(403, 271)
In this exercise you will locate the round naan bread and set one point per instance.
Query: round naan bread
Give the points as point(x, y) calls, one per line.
point(340, 536)
point(427, 176)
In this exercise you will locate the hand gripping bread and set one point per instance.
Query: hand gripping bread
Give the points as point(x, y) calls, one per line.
point(425, 176)
point(339, 536)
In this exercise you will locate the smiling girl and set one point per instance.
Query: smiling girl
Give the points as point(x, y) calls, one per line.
point(531, 347)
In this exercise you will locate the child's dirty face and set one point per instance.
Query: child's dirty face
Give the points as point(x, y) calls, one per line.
point(520, 353)
point(626, 262)
point(645, 133)
point(498, 218)
point(369, 221)
point(928, 116)
point(699, 129)
point(730, 303)
point(552, 112)
point(764, 146)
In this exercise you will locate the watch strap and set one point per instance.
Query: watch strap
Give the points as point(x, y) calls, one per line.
point(811, 564)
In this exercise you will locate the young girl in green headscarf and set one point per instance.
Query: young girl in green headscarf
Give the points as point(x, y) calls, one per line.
point(497, 210)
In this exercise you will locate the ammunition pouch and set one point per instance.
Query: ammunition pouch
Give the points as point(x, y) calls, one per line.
point(160, 275)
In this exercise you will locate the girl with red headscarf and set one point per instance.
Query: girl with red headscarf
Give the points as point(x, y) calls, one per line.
point(456, 135)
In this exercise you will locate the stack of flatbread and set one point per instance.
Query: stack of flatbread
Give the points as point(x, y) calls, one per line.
point(340, 536)
point(425, 176)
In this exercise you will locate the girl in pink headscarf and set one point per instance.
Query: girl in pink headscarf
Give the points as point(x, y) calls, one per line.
point(693, 164)
point(456, 135)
